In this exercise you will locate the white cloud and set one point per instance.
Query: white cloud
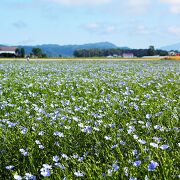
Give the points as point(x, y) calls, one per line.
point(81, 2)
point(92, 26)
point(137, 6)
point(175, 30)
point(171, 1)
point(26, 41)
point(132, 6)
point(138, 3)
point(100, 28)
point(141, 29)
point(175, 9)
point(174, 5)
point(110, 29)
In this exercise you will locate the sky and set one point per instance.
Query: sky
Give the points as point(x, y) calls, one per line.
point(131, 23)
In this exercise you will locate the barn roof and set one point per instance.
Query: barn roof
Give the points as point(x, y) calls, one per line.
point(8, 48)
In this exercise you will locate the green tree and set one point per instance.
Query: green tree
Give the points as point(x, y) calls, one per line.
point(20, 52)
point(44, 55)
point(107, 52)
point(151, 51)
point(17, 51)
point(37, 52)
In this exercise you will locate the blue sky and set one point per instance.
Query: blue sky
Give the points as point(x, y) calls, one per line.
point(132, 23)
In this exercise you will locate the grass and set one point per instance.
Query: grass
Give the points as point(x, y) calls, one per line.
point(80, 59)
point(173, 58)
point(89, 120)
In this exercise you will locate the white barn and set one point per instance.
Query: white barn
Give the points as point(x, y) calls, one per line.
point(8, 50)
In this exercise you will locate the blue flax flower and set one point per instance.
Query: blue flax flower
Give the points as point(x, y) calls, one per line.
point(17, 177)
point(137, 163)
point(152, 166)
point(79, 174)
point(164, 147)
point(10, 167)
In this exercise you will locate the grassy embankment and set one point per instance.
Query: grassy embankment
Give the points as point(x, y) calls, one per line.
point(173, 58)
point(93, 58)
point(73, 59)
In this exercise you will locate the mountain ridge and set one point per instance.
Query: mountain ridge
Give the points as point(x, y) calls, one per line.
point(174, 47)
point(55, 50)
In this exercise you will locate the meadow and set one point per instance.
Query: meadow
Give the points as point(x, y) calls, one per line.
point(66, 120)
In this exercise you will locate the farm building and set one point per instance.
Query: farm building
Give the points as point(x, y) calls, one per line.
point(8, 50)
point(172, 53)
point(128, 55)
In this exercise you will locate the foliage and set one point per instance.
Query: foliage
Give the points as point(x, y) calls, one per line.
point(7, 55)
point(20, 52)
point(37, 52)
point(151, 51)
point(119, 52)
point(89, 120)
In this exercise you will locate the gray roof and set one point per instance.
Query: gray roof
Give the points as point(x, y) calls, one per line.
point(8, 48)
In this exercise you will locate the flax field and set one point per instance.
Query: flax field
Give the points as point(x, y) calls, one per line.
point(94, 120)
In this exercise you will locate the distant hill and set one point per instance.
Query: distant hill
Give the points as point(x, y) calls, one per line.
point(54, 50)
point(171, 47)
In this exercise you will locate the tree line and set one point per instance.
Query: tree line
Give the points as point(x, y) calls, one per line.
point(95, 52)
point(151, 51)
point(36, 52)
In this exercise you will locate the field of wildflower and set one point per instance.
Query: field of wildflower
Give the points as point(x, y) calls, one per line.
point(91, 120)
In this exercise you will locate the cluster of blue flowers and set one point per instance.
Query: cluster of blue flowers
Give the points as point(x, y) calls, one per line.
point(64, 120)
